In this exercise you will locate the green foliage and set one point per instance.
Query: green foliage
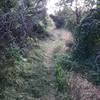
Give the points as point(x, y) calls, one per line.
point(6, 5)
point(50, 24)
point(93, 76)
point(98, 3)
point(23, 75)
point(86, 50)
point(73, 11)
point(62, 76)
point(13, 51)
point(86, 36)
point(67, 63)
point(9, 57)
point(22, 78)
point(40, 31)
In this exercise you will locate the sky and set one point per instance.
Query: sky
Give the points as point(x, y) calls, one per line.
point(52, 7)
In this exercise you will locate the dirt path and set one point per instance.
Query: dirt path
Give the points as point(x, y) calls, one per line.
point(51, 44)
point(48, 48)
point(56, 39)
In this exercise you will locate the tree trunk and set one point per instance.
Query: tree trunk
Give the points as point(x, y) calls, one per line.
point(77, 12)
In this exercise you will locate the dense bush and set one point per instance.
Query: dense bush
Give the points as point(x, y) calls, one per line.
point(22, 75)
point(22, 78)
point(87, 36)
point(85, 58)
point(87, 49)
point(62, 73)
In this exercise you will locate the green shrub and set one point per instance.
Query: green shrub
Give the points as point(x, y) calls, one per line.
point(22, 78)
point(86, 36)
point(62, 76)
point(86, 49)
point(61, 82)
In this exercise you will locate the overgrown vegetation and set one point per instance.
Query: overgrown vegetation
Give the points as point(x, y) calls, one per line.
point(87, 48)
point(23, 24)
point(22, 78)
point(23, 74)
point(85, 57)
point(73, 12)
point(62, 75)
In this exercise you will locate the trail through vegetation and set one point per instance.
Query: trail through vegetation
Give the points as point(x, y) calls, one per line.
point(49, 50)
point(56, 41)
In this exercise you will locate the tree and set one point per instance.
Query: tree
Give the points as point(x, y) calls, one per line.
point(78, 8)
point(6, 5)
point(19, 19)
point(98, 3)
point(22, 13)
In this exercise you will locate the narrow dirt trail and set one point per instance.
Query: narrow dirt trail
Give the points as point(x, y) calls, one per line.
point(56, 39)
point(51, 44)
